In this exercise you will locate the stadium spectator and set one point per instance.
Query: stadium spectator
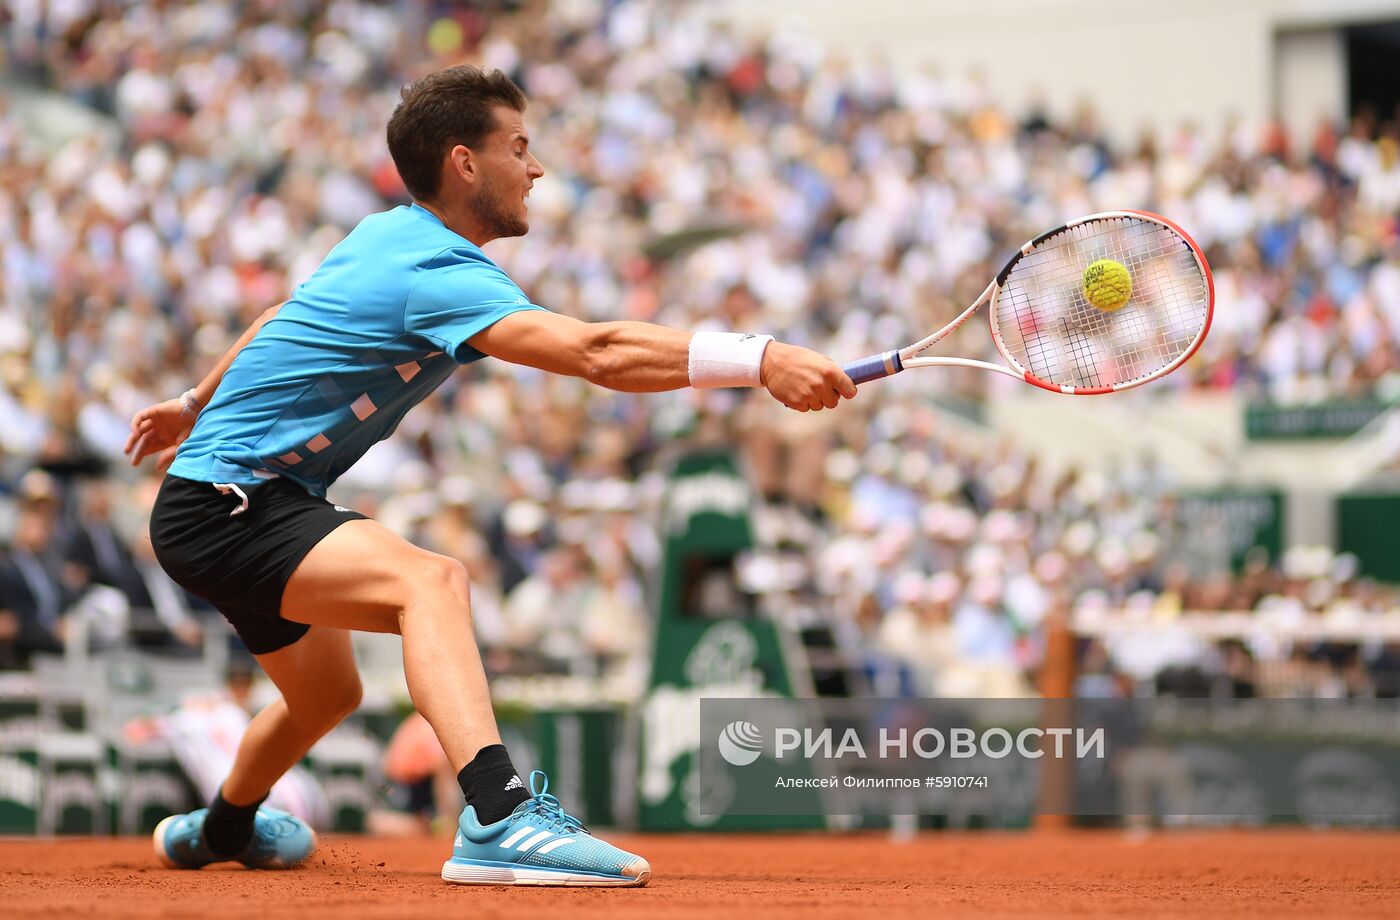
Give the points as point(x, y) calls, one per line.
point(34, 596)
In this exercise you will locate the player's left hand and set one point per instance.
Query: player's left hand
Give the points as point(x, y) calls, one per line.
point(158, 429)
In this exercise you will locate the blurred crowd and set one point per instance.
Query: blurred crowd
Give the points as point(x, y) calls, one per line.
point(696, 178)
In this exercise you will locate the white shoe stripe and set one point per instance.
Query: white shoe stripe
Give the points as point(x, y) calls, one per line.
point(556, 844)
point(513, 839)
point(541, 836)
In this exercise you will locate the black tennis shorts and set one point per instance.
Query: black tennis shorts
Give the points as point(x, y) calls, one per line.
point(240, 562)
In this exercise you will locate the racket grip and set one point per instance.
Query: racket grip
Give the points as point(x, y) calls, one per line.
point(874, 367)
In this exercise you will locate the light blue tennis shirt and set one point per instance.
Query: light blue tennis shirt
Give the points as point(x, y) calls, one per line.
point(382, 322)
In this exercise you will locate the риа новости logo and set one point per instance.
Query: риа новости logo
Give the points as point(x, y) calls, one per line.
point(740, 743)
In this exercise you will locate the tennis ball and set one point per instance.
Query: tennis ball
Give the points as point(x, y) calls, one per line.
point(1107, 284)
point(445, 36)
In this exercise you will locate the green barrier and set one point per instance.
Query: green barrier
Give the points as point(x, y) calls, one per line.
point(347, 768)
point(146, 786)
point(1266, 422)
point(70, 798)
point(576, 748)
point(19, 706)
point(19, 788)
point(1319, 763)
point(1221, 527)
point(1366, 527)
point(20, 725)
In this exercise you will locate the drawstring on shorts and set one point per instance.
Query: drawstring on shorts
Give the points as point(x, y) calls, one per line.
point(226, 488)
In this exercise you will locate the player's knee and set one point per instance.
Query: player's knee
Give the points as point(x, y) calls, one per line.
point(440, 579)
point(347, 698)
point(333, 700)
point(340, 699)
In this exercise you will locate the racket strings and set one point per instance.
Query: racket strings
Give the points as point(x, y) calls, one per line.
point(1096, 347)
point(1133, 344)
point(1048, 325)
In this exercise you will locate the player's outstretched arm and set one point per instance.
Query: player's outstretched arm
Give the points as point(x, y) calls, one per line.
point(645, 358)
point(161, 428)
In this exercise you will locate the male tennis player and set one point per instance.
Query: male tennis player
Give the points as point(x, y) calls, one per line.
point(242, 518)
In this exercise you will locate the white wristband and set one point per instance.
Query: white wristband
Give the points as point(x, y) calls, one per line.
point(726, 359)
point(189, 403)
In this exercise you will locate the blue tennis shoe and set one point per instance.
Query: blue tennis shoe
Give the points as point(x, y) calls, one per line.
point(280, 841)
point(538, 844)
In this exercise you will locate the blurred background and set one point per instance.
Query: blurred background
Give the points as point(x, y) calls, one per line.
point(843, 177)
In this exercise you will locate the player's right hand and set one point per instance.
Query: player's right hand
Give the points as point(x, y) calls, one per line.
point(802, 379)
point(158, 429)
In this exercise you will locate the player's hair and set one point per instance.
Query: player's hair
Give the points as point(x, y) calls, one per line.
point(445, 108)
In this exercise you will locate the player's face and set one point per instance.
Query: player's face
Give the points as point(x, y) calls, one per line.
point(507, 171)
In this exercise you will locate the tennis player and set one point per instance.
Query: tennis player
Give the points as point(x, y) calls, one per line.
point(242, 519)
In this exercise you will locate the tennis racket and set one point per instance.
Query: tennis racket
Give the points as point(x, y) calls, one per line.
point(1044, 317)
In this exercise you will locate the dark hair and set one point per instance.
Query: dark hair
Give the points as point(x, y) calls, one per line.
point(444, 109)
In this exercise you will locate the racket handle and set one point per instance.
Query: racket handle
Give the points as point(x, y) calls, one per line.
point(874, 367)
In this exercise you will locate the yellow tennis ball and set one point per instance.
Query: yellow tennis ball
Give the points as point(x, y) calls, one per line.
point(1107, 284)
point(445, 36)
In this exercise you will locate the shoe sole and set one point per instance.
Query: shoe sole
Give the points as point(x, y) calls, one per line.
point(464, 874)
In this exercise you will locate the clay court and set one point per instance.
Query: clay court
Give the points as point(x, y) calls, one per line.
point(1099, 874)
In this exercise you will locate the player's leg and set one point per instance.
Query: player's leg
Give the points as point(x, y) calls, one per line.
point(363, 576)
point(319, 686)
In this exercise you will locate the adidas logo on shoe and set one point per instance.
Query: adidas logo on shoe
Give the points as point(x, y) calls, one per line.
point(514, 783)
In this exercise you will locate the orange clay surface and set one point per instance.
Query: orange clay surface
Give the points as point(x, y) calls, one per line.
point(1080, 874)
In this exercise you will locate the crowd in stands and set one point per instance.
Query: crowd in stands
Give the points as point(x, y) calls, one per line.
point(694, 178)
